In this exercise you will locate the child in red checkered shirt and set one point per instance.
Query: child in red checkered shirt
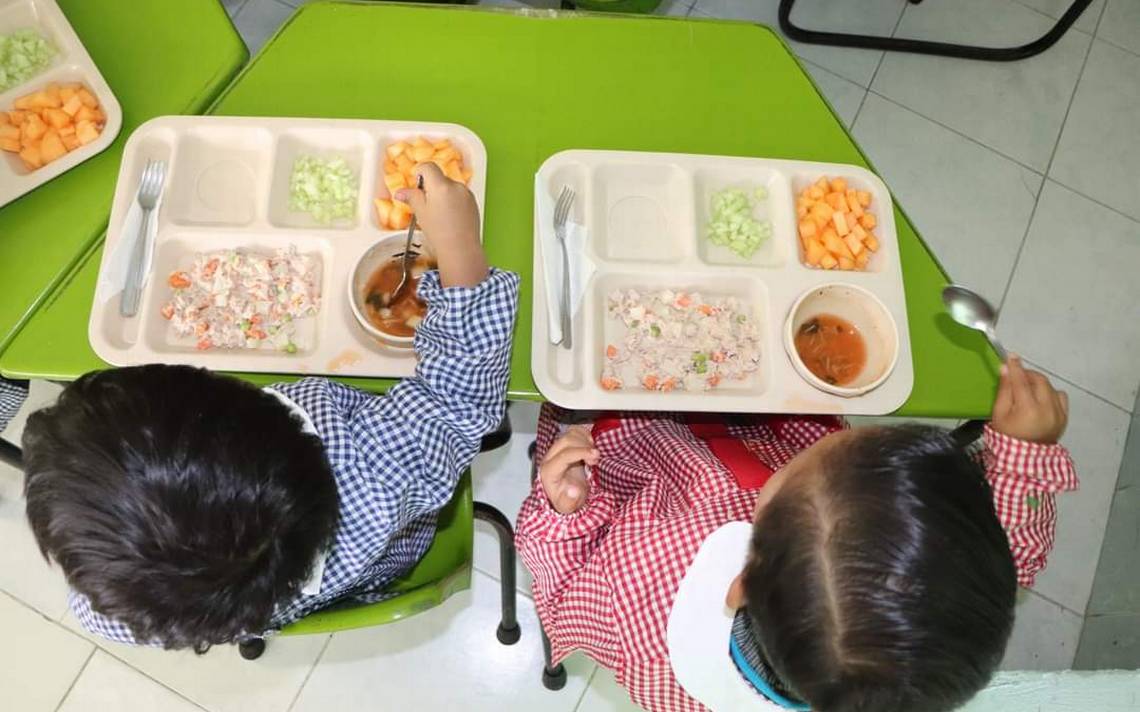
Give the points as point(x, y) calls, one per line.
point(824, 568)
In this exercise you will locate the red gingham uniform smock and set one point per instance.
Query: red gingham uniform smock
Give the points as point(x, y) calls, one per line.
point(606, 575)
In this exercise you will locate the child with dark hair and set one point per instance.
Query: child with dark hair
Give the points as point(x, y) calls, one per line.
point(189, 509)
point(739, 563)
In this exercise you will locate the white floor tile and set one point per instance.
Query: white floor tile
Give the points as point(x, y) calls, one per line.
point(444, 659)
point(38, 660)
point(1099, 151)
point(501, 478)
point(965, 200)
point(1055, 8)
point(844, 96)
point(23, 571)
point(605, 695)
point(257, 20)
point(1045, 636)
point(1121, 24)
point(107, 684)
point(869, 17)
point(1095, 437)
point(220, 680)
point(1016, 108)
point(1071, 305)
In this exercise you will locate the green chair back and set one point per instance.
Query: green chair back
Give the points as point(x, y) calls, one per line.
point(444, 570)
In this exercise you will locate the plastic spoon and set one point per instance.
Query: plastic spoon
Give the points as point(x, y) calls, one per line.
point(969, 308)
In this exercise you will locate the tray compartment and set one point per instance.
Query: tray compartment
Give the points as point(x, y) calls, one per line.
point(605, 330)
point(641, 212)
point(881, 206)
point(220, 177)
point(354, 146)
point(775, 209)
point(175, 250)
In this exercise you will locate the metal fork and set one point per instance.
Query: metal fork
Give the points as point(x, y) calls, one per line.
point(150, 188)
point(561, 214)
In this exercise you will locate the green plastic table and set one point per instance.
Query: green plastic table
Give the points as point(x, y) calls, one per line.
point(160, 57)
point(532, 84)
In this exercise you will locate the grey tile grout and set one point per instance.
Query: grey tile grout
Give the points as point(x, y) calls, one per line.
point(1062, 606)
point(1048, 167)
point(1077, 386)
point(586, 688)
point(878, 66)
point(308, 675)
point(75, 679)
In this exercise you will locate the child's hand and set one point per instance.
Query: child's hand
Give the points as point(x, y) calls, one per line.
point(562, 473)
point(449, 217)
point(1028, 407)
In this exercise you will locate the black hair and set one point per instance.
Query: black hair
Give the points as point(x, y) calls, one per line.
point(181, 503)
point(885, 583)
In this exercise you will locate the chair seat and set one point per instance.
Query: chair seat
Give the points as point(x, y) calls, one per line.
point(445, 569)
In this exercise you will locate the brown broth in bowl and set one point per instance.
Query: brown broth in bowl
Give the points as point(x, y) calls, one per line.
point(831, 348)
point(400, 317)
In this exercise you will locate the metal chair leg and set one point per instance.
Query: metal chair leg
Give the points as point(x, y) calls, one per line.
point(553, 676)
point(944, 49)
point(11, 454)
point(508, 632)
point(251, 648)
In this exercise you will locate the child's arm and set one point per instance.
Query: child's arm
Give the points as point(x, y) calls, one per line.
point(1025, 466)
point(432, 423)
point(556, 537)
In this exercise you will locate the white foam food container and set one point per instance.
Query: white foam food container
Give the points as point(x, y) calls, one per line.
point(227, 187)
point(70, 64)
point(646, 215)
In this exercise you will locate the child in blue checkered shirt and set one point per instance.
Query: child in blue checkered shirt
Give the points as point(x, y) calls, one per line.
point(189, 509)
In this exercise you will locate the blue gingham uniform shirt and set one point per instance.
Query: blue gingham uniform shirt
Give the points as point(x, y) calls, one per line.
point(397, 458)
point(12, 395)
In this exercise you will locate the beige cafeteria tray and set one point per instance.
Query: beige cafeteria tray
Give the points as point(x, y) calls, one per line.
point(227, 187)
point(645, 216)
point(71, 64)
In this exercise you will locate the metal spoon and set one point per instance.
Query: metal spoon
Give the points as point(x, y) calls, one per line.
point(407, 252)
point(969, 308)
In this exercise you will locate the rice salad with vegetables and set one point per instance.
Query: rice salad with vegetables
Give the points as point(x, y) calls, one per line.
point(678, 340)
point(233, 299)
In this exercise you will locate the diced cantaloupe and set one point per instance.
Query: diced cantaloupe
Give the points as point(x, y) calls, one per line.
point(442, 144)
point(864, 198)
point(836, 201)
point(872, 242)
point(394, 182)
point(401, 216)
point(390, 167)
point(834, 244)
point(66, 91)
point(10, 144)
point(466, 174)
point(56, 118)
point(10, 132)
point(72, 105)
point(861, 259)
point(846, 263)
point(51, 147)
point(821, 213)
point(828, 262)
point(70, 140)
point(16, 117)
point(814, 252)
point(853, 203)
point(383, 211)
point(839, 185)
point(452, 171)
point(396, 149)
point(86, 132)
point(853, 243)
point(808, 228)
point(422, 154)
point(404, 164)
point(840, 221)
point(868, 221)
point(33, 128)
point(31, 157)
point(87, 98)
